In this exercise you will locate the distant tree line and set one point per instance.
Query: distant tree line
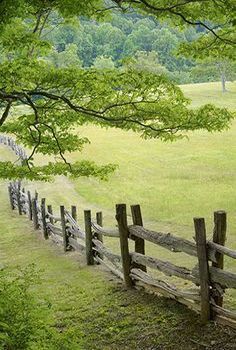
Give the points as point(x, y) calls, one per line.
point(131, 39)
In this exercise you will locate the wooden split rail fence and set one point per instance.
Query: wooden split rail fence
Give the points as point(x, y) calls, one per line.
point(208, 276)
point(10, 142)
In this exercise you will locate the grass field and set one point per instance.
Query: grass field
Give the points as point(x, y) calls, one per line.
point(211, 93)
point(173, 182)
point(89, 309)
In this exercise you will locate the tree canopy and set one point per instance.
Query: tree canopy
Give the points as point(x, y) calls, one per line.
point(62, 96)
point(215, 18)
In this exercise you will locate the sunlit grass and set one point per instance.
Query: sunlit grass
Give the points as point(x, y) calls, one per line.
point(87, 307)
point(173, 182)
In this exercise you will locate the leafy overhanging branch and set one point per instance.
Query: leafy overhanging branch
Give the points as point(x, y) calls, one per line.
point(60, 100)
point(11, 171)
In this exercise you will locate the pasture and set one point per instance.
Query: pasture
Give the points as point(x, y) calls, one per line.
point(173, 182)
point(85, 308)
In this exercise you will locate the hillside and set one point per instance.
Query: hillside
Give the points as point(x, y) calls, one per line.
point(85, 308)
point(173, 182)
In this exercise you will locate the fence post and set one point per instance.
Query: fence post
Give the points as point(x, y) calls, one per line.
point(219, 237)
point(23, 202)
point(200, 234)
point(10, 197)
point(88, 237)
point(43, 213)
point(139, 243)
point(99, 236)
point(49, 208)
point(18, 198)
point(121, 217)
point(74, 212)
point(35, 214)
point(63, 226)
point(99, 221)
point(30, 205)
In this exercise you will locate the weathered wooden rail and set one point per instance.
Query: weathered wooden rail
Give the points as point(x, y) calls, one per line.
point(208, 276)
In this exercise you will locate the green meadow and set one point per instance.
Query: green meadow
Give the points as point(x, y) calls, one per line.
point(85, 308)
point(173, 182)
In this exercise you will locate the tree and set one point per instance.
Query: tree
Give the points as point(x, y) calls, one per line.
point(212, 70)
point(215, 21)
point(103, 62)
point(66, 58)
point(166, 44)
point(125, 24)
point(61, 99)
point(143, 38)
point(109, 40)
point(147, 62)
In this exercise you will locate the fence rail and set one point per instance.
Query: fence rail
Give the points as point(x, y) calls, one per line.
point(209, 278)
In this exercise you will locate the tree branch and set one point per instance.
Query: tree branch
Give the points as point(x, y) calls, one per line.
point(5, 113)
point(58, 144)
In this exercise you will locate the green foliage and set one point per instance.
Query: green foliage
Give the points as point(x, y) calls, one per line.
point(215, 22)
point(123, 37)
point(62, 96)
point(25, 319)
point(103, 62)
point(20, 313)
point(131, 99)
point(46, 172)
point(147, 62)
point(211, 70)
point(67, 58)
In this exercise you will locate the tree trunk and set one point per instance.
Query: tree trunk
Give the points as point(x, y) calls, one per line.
point(223, 82)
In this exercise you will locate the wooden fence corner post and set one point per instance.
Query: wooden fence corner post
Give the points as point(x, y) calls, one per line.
point(219, 237)
point(121, 217)
point(63, 226)
point(200, 234)
point(139, 243)
point(88, 237)
point(35, 214)
point(43, 213)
